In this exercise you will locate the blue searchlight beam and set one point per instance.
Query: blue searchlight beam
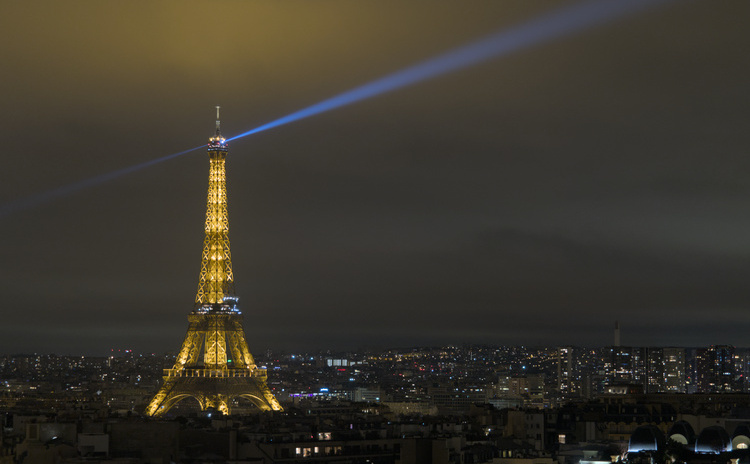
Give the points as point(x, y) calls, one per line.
point(557, 23)
point(49, 195)
point(549, 26)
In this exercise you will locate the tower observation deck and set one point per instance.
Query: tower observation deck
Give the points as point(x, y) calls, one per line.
point(214, 365)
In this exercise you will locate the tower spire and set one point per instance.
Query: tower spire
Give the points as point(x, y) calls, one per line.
point(218, 122)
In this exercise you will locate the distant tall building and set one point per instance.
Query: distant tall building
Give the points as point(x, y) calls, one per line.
point(570, 372)
point(742, 368)
point(665, 370)
point(625, 364)
point(715, 369)
point(502, 388)
point(674, 369)
point(565, 372)
point(655, 370)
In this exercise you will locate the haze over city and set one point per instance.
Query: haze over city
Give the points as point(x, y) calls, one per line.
point(534, 198)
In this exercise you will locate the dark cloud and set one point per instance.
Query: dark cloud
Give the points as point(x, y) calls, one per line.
point(531, 199)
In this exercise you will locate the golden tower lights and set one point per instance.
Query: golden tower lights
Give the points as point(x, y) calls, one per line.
point(214, 365)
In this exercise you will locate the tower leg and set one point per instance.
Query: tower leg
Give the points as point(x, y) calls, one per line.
point(212, 392)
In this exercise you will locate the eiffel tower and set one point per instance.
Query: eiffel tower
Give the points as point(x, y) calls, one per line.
point(214, 365)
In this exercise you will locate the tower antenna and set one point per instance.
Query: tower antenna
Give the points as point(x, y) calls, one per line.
point(218, 121)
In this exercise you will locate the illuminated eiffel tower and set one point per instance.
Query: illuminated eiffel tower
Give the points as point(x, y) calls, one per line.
point(214, 365)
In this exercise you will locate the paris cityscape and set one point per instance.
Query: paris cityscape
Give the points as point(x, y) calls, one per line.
point(491, 232)
point(481, 403)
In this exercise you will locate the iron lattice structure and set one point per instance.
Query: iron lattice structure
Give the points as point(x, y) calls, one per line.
point(214, 365)
point(216, 278)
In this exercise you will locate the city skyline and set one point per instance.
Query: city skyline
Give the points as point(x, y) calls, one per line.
point(533, 199)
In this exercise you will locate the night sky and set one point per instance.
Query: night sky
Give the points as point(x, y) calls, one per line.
point(531, 199)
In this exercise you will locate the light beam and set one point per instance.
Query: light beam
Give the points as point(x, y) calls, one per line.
point(49, 195)
point(551, 25)
point(555, 24)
